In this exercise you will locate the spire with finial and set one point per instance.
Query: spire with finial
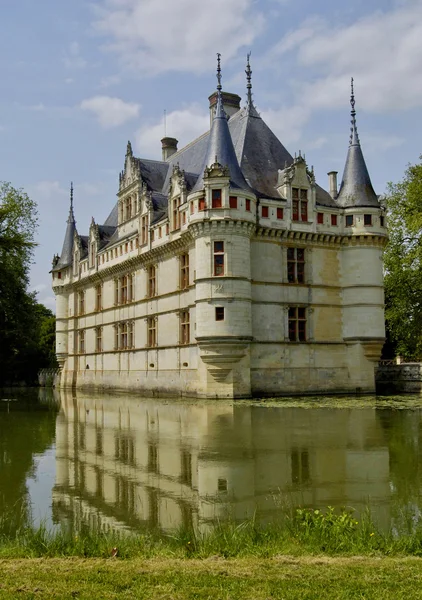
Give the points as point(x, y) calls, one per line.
point(220, 144)
point(129, 151)
point(248, 72)
point(354, 137)
point(66, 256)
point(356, 187)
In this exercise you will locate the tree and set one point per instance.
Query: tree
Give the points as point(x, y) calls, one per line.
point(22, 319)
point(403, 264)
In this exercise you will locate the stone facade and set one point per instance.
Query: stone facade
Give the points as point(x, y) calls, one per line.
point(207, 282)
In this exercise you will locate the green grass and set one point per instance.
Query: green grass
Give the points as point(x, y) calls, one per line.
point(310, 554)
point(303, 532)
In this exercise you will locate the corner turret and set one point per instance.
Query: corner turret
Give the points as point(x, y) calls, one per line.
point(356, 187)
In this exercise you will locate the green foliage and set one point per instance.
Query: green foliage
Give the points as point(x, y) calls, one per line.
point(25, 326)
point(403, 264)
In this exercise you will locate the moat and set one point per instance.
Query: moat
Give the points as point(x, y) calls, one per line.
point(120, 462)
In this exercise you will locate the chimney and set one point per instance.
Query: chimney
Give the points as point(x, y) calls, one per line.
point(332, 178)
point(231, 104)
point(169, 147)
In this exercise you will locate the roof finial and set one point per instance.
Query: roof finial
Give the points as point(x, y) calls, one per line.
point(219, 88)
point(354, 137)
point(248, 72)
point(71, 215)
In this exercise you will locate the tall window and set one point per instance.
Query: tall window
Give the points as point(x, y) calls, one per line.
point(248, 204)
point(99, 297)
point(131, 334)
point(296, 265)
point(218, 258)
point(81, 303)
point(216, 199)
point(128, 207)
point(320, 218)
point(116, 337)
point(92, 254)
point(184, 327)
point(367, 220)
point(334, 220)
point(130, 288)
point(152, 331)
point(299, 204)
point(176, 213)
point(99, 339)
point(184, 271)
point(279, 213)
point(152, 281)
point(81, 338)
point(233, 201)
point(123, 336)
point(202, 204)
point(264, 212)
point(297, 324)
point(116, 291)
point(144, 229)
point(123, 289)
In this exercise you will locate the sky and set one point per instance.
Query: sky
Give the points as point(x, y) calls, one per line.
point(81, 78)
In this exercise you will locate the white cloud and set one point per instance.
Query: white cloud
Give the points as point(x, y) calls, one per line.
point(73, 58)
point(287, 122)
point(46, 190)
point(110, 112)
point(152, 36)
point(381, 51)
point(185, 125)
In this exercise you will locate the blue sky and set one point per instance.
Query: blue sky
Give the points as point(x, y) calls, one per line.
point(81, 78)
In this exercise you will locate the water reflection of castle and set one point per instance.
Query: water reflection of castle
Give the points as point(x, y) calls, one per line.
point(124, 462)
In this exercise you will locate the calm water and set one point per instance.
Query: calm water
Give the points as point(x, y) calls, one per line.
point(123, 462)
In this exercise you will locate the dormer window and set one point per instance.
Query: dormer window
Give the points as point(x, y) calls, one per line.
point(176, 213)
point(216, 199)
point(299, 204)
point(128, 208)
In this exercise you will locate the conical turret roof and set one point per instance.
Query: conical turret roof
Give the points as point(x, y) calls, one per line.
point(220, 147)
point(356, 187)
point(66, 255)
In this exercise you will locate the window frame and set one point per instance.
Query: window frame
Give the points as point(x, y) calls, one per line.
point(216, 198)
point(219, 259)
point(296, 265)
point(349, 221)
point(151, 332)
point(367, 220)
point(297, 324)
point(184, 317)
point(184, 271)
point(233, 200)
point(265, 212)
point(220, 313)
point(152, 281)
point(98, 339)
point(299, 205)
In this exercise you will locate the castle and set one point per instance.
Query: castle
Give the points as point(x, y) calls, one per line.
point(224, 270)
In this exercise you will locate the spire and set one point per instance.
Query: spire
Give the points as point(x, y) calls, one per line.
point(66, 256)
point(356, 187)
point(220, 147)
point(248, 72)
point(354, 137)
point(129, 151)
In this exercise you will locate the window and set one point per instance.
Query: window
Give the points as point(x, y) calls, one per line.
point(130, 288)
point(144, 229)
point(128, 208)
point(116, 337)
point(381, 223)
point(167, 228)
point(81, 337)
point(297, 324)
point(184, 327)
point(349, 220)
point(160, 232)
point(233, 201)
point(219, 313)
point(299, 204)
point(201, 204)
point(123, 336)
point(192, 208)
point(320, 218)
point(264, 212)
point(152, 235)
point(334, 220)
point(81, 303)
point(152, 331)
point(184, 271)
point(248, 205)
point(59, 274)
point(367, 220)
point(296, 265)
point(98, 297)
point(218, 258)
point(116, 291)
point(123, 289)
point(216, 199)
point(176, 213)
point(131, 334)
point(280, 213)
point(92, 249)
point(184, 218)
point(152, 281)
point(99, 339)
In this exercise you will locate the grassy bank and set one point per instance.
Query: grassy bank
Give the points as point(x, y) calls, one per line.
point(304, 532)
